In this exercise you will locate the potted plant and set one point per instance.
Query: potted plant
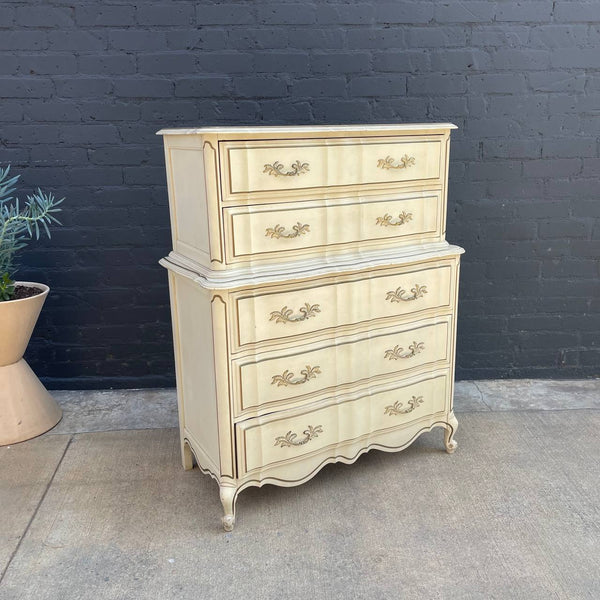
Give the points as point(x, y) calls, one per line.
point(26, 408)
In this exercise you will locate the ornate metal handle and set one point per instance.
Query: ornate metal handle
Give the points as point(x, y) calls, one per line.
point(287, 377)
point(388, 162)
point(289, 439)
point(386, 220)
point(396, 408)
point(279, 231)
point(398, 295)
point(397, 352)
point(276, 169)
point(285, 314)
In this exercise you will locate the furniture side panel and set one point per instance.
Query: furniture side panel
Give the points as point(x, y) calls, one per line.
point(196, 365)
point(445, 158)
point(454, 330)
point(188, 198)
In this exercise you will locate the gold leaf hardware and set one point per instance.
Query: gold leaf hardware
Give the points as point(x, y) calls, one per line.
point(289, 439)
point(287, 377)
point(279, 231)
point(386, 220)
point(396, 408)
point(285, 314)
point(277, 169)
point(397, 352)
point(398, 296)
point(388, 162)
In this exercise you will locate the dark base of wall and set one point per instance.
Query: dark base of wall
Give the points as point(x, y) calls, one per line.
point(108, 383)
point(157, 381)
point(528, 373)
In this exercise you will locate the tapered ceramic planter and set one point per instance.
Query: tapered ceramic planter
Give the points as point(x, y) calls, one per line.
point(26, 408)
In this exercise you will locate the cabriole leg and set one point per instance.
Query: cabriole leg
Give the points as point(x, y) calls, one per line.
point(451, 427)
point(187, 458)
point(228, 496)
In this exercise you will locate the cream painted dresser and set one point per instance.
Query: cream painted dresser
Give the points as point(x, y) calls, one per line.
point(313, 296)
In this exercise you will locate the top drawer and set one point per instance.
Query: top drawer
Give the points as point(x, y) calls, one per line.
point(252, 169)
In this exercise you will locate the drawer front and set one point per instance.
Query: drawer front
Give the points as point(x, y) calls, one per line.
point(256, 231)
point(280, 437)
point(291, 375)
point(273, 166)
point(337, 302)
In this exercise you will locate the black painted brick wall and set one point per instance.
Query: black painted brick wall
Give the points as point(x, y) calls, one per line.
point(84, 86)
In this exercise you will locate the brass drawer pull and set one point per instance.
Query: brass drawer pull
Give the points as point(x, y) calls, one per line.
point(388, 162)
point(287, 377)
point(398, 296)
point(396, 408)
point(276, 169)
point(279, 231)
point(289, 439)
point(386, 220)
point(285, 314)
point(397, 352)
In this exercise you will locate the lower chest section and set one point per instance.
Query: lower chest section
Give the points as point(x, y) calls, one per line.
point(286, 376)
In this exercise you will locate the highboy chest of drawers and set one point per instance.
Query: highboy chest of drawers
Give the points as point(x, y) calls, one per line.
point(313, 296)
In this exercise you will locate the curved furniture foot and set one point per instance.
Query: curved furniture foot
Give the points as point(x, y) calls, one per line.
point(187, 457)
point(228, 497)
point(451, 427)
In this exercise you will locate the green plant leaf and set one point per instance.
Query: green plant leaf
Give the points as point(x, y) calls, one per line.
point(19, 224)
point(7, 288)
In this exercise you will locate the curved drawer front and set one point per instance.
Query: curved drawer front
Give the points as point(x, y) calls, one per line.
point(338, 302)
point(292, 375)
point(280, 437)
point(273, 166)
point(287, 228)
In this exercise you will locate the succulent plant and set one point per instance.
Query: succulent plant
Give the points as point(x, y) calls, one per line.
point(19, 223)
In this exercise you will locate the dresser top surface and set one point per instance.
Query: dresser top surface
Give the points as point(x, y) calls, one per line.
point(321, 130)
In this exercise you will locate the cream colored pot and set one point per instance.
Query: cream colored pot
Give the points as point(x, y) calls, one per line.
point(26, 408)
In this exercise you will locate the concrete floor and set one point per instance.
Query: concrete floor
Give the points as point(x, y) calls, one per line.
point(100, 508)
